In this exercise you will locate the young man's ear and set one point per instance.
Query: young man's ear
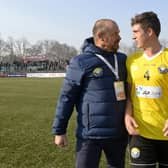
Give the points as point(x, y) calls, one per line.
point(150, 31)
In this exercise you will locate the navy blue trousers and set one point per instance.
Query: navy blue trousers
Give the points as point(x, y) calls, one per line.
point(88, 152)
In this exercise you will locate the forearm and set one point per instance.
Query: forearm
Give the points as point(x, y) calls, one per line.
point(128, 110)
point(130, 122)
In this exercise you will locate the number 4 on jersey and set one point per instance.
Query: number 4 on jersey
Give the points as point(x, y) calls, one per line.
point(147, 75)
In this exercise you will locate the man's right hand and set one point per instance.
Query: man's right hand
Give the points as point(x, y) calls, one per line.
point(61, 140)
point(131, 125)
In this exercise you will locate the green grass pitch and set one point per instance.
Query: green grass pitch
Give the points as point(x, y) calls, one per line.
point(27, 109)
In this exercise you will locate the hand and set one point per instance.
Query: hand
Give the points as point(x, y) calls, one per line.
point(61, 140)
point(165, 129)
point(131, 125)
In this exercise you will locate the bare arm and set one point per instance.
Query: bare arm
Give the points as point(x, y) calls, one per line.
point(130, 122)
point(165, 129)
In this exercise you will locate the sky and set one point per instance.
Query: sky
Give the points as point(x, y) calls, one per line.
point(70, 22)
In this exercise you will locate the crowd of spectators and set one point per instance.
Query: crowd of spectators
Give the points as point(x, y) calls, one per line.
point(31, 66)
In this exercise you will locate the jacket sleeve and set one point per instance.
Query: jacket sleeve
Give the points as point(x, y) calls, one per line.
point(68, 97)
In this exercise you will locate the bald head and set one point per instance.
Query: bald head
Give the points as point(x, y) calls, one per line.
point(106, 34)
point(103, 26)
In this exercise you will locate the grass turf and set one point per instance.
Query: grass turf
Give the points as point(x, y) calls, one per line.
point(27, 109)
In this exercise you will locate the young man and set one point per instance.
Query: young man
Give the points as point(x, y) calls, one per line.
point(94, 84)
point(146, 116)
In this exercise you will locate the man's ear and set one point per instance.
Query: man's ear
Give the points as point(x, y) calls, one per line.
point(150, 31)
point(100, 36)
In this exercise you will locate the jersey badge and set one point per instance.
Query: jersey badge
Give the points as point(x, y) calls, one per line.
point(135, 152)
point(163, 69)
point(98, 72)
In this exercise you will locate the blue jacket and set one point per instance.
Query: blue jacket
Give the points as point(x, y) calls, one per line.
point(88, 86)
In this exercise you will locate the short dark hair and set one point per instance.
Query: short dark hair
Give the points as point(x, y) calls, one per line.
point(148, 20)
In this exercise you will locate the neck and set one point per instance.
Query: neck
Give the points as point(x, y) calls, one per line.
point(153, 49)
point(103, 47)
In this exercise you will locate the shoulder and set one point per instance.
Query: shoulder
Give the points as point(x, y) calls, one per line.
point(121, 55)
point(135, 55)
point(83, 60)
point(165, 50)
point(133, 58)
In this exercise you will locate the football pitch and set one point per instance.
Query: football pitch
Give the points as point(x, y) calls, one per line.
point(27, 109)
